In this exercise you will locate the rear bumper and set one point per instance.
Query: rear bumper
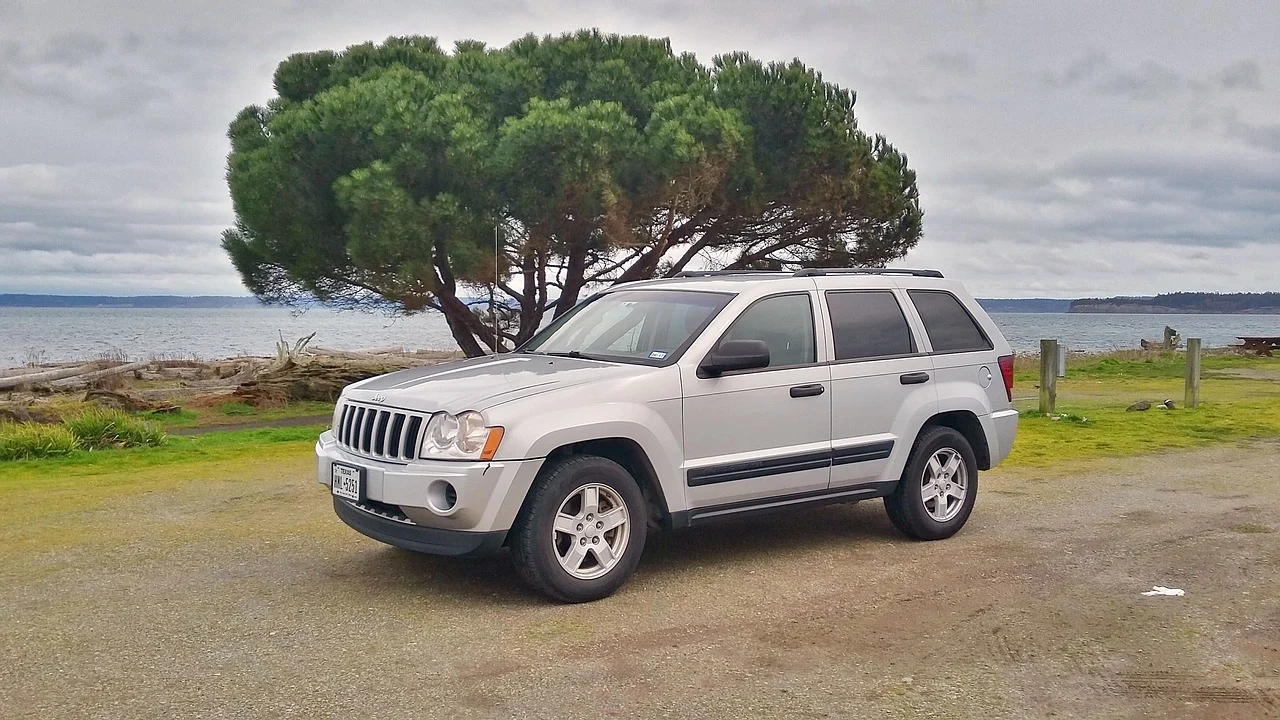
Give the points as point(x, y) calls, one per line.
point(1004, 427)
point(435, 541)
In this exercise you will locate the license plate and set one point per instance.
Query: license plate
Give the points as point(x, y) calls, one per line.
point(348, 482)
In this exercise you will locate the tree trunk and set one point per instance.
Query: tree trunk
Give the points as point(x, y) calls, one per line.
point(575, 272)
point(460, 327)
point(460, 318)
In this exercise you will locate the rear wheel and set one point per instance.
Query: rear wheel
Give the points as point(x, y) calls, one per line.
point(581, 532)
point(938, 487)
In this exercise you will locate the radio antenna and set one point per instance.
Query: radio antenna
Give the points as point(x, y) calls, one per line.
point(493, 313)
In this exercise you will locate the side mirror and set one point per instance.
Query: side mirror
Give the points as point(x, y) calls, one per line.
point(736, 355)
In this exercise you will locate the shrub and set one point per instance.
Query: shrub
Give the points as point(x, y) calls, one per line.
point(24, 441)
point(100, 429)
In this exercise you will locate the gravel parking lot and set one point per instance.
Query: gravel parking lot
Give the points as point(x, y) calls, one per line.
point(241, 595)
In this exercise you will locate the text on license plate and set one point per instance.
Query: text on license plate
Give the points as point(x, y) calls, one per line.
point(346, 482)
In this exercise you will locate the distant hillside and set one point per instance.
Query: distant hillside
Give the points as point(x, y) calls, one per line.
point(1184, 303)
point(1024, 305)
point(141, 301)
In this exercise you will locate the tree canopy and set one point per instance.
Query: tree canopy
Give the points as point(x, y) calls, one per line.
point(379, 174)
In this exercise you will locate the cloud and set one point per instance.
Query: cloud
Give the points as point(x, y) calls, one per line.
point(1264, 137)
point(1149, 81)
point(76, 70)
point(957, 63)
point(1065, 152)
point(1078, 71)
point(1243, 75)
point(73, 49)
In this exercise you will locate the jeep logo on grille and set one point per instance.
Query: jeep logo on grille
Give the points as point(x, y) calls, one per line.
point(379, 398)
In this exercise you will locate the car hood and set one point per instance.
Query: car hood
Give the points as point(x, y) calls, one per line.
point(483, 382)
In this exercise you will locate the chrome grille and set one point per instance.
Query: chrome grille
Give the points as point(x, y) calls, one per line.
point(381, 433)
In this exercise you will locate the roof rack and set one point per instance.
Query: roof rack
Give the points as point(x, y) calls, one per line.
point(719, 273)
point(812, 272)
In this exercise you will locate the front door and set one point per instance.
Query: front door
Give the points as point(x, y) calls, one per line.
point(761, 433)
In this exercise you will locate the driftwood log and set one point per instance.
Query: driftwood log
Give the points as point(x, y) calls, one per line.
point(83, 379)
point(321, 379)
point(14, 372)
point(1172, 340)
point(46, 376)
point(124, 401)
point(62, 377)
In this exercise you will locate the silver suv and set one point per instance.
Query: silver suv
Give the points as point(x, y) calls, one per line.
point(668, 403)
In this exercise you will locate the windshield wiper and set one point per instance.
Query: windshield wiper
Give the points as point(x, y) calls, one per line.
point(577, 356)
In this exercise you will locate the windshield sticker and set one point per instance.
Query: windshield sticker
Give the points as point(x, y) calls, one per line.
point(658, 355)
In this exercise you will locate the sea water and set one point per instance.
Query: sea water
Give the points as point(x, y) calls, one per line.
point(60, 334)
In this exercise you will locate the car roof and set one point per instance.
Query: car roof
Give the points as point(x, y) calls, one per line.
point(738, 281)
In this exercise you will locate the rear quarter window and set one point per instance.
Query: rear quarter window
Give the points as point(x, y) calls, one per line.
point(949, 325)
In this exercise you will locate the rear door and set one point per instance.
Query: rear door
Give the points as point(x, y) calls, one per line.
point(881, 381)
point(763, 433)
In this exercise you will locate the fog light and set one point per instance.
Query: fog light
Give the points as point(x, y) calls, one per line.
point(442, 496)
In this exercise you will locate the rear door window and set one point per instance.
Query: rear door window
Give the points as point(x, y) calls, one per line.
point(868, 324)
point(949, 325)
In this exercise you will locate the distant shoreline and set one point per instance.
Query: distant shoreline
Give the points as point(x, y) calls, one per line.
point(13, 300)
point(1121, 309)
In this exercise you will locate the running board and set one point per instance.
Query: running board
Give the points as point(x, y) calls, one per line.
point(761, 506)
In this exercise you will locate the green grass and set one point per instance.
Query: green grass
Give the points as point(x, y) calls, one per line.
point(29, 440)
point(101, 429)
point(90, 430)
point(216, 446)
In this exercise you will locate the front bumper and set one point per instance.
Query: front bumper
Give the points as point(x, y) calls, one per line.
point(405, 534)
point(489, 494)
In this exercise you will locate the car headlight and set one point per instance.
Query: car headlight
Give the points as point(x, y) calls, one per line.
point(464, 436)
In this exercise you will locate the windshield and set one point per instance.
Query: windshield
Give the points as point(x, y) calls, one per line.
point(645, 326)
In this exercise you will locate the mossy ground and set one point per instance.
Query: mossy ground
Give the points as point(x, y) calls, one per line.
point(1239, 396)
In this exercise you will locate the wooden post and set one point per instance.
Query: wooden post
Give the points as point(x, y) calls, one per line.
point(1048, 376)
point(1193, 372)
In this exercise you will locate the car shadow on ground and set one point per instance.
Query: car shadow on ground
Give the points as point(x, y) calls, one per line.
point(493, 581)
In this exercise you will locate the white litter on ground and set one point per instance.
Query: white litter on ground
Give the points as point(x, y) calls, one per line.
point(1162, 590)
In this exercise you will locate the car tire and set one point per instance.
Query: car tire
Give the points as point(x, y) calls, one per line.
point(565, 542)
point(936, 492)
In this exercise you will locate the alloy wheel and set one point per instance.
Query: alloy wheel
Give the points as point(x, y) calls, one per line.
point(591, 531)
point(944, 484)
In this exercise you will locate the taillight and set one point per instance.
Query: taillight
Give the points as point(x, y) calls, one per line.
point(1006, 371)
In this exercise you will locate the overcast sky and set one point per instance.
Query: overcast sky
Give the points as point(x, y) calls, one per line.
point(1109, 148)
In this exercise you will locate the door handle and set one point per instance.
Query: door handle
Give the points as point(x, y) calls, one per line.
point(914, 378)
point(807, 390)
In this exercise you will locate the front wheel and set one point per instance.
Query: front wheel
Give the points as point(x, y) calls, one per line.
point(938, 487)
point(581, 532)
